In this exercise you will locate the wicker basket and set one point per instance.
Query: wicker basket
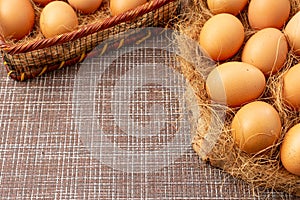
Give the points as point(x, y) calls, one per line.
point(31, 59)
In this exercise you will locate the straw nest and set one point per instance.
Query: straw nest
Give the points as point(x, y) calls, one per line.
point(213, 140)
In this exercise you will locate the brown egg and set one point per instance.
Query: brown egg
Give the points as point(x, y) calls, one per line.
point(255, 127)
point(57, 17)
point(42, 2)
point(291, 87)
point(16, 18)
point(235, 83)
point(290, 150)
point(120, 6)
point(86, 6)
point(226, 6)
point(268, 13)
point(222, 36)
point(292, 31)
point(267, 50)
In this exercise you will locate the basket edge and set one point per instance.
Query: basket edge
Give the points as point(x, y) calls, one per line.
point(82, 31)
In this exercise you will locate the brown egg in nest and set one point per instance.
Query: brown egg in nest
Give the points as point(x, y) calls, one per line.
point(58, 17)
point(16, 18)
point(290, 150)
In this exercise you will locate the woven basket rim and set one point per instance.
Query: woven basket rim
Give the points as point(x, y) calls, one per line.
point(82, 31)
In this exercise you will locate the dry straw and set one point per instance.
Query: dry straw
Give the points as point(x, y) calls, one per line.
point(262, 171)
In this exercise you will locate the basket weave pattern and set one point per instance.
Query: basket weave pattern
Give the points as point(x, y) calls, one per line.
point(31, 59)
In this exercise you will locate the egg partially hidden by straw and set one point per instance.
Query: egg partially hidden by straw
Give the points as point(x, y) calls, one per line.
point(267, 50)
point(226, 6)
point(256, 127)
point(290, 150)
point(291, 87)
point(121, 6)
point(86, 6)
point(58, 17)
point(42, 2)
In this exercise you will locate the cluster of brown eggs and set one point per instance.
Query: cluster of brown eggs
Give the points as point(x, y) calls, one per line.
point(17, 17)
point(238, 84)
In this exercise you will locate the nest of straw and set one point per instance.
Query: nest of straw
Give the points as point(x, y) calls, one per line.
point(213, 140)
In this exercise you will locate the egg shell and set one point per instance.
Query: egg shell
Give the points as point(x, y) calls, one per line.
point(120, 6)
point(292, 31)
point(268, 13)
point(58, 17)
point(16, 18)
point(86, 6)
point(42, 2)
point(291, 87)
point(290, 150)
point(233, 7)
point(235, 83)
point(255, 127)
point(222, 36)
point(267, 50)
